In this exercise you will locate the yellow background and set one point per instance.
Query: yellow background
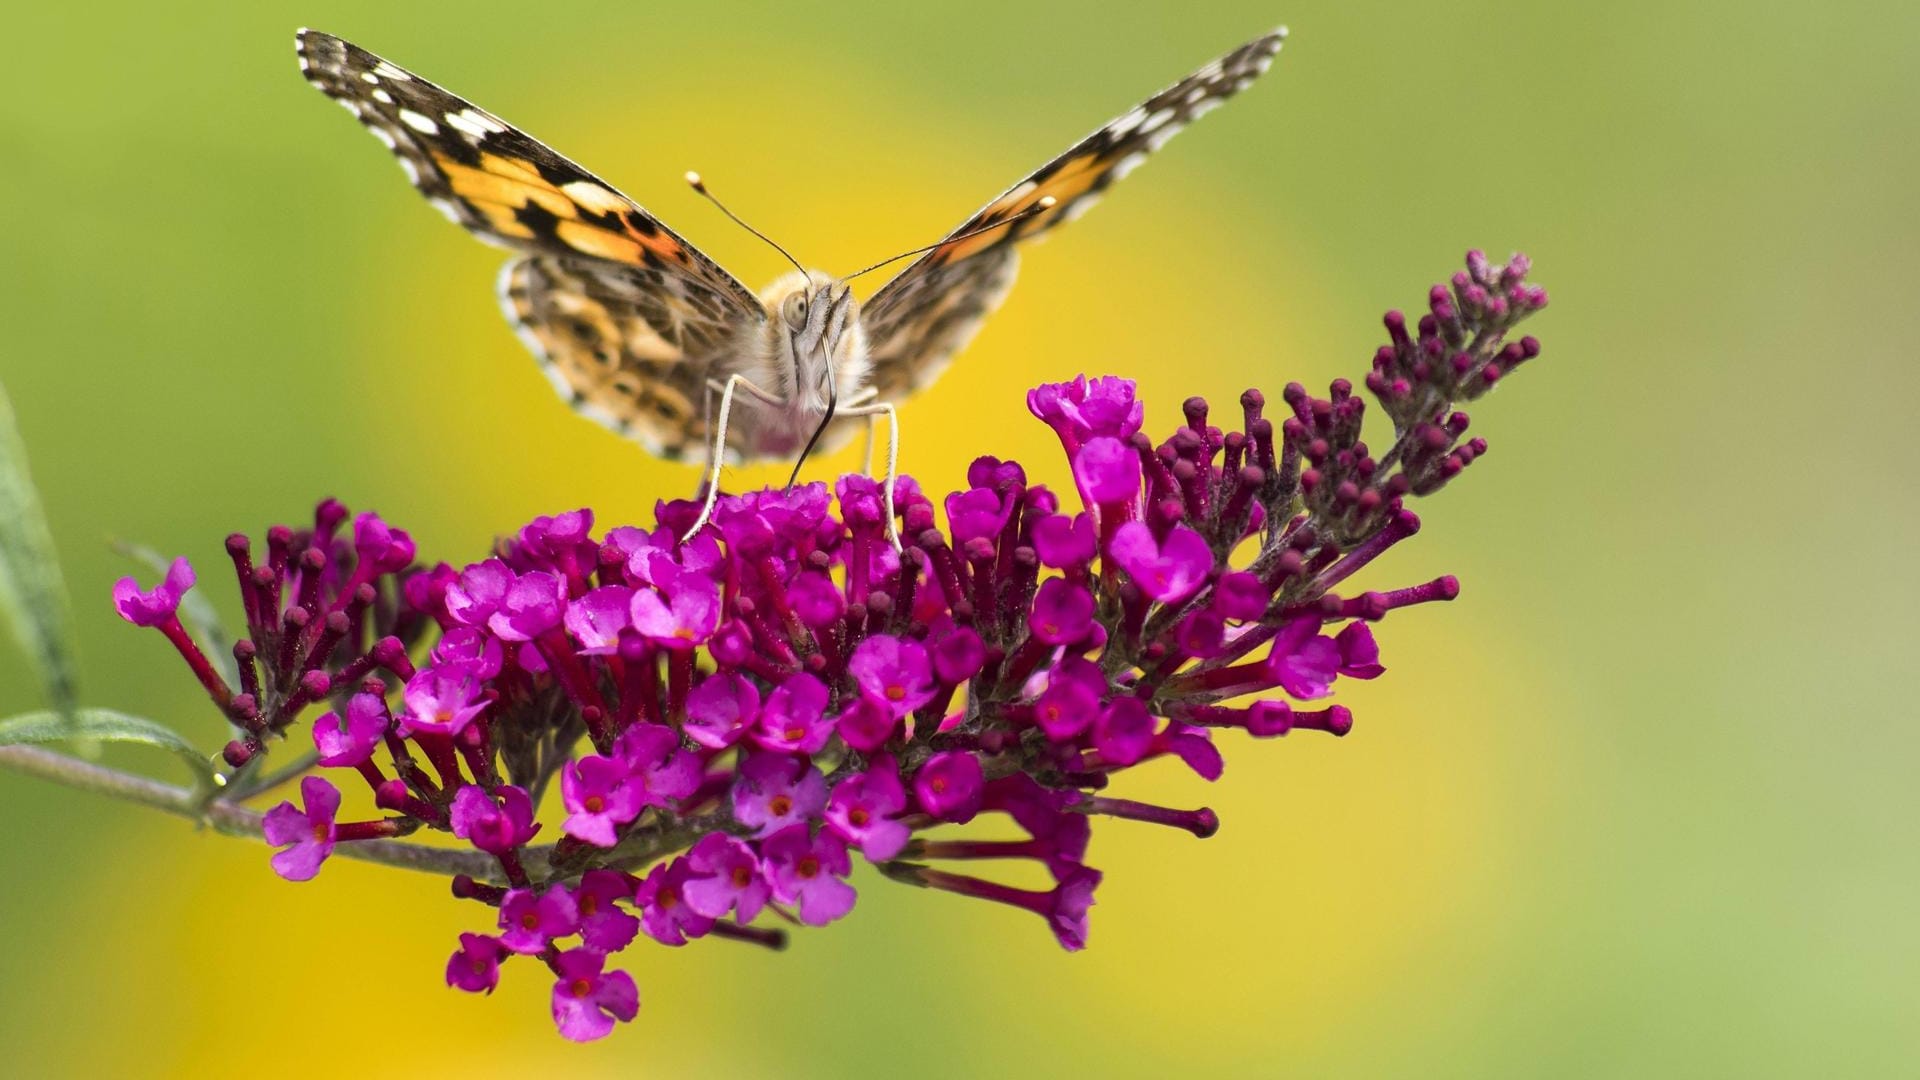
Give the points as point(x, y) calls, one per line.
point(1639, 803)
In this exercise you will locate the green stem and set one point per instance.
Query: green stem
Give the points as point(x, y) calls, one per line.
point(229, 819)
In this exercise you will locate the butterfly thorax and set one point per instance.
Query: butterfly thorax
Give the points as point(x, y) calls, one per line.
point(810, 350)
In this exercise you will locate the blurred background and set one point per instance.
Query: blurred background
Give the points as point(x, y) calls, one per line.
point(1629, 807)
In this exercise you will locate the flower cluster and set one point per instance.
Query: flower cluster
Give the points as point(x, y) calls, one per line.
point(734, 717)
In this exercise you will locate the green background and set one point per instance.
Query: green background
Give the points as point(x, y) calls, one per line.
point(1632, 806)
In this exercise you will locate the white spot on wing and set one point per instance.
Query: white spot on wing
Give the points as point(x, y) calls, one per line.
point(445, 207)
point(419, 123)
point(382, 97)
point(473, 123)
point(386, 70)
point(368, 76)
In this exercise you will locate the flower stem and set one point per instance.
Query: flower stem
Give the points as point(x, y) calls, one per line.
point(227, 818)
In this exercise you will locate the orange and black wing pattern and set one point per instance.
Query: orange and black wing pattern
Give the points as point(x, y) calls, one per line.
point(920, 319)
point(622, 312)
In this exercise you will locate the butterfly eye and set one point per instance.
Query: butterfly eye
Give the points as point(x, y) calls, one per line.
point(795, 311)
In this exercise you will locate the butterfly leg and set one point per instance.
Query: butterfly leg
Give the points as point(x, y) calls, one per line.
point(873, 411)
point(718, 447)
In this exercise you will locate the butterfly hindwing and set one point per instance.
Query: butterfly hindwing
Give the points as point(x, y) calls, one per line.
point(921, 318)
point(623, 312)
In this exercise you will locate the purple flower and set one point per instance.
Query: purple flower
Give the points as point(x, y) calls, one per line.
point(1303, 664)
point(596, 619)
point(1168, 572)
point(794, 719)
point(664, 912)
point(603, 925)
point(774, 791)
point(1240, 595)
point(600, 797)
point(1107, 472)
point(808, 871)
point(534, 604)
point(1359, 655)
point(1063, 541)
point(352, 741)
point(472, 645)
point(1071, 700)
point(1067, 914)
point(957, 651)
point(309, 831)
point(495, 827)
point(1062, 612)
point(476, 594)
point(665, 771)
point(688, 615)
point(1123, 732)
point(1084, 408)
point(893, 673)
point(528, 922)
point(725, 877)
point(978, 513)
point(950, 785)
point(816, 600)
point(444, 698)
point(719, 708)
point(475, 965)
point(158, 606)
point(379, 547)
point(587, 999)
point(862, 808)
point(866, 724)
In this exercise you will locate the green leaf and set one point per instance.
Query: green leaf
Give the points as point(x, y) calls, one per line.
point(106, 725)
point(196, 612)
point(31, 590)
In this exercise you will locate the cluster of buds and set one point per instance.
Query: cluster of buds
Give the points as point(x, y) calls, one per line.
point(734, 717)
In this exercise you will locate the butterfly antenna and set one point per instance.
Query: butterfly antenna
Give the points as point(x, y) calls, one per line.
point(1046, 203)
point(699, 185)
point(833, 402)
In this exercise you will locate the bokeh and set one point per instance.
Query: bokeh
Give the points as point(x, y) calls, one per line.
point(1630, 806)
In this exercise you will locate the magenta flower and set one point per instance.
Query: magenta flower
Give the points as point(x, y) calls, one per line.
point(351, 741)
point(603, 925)
point(775, 791)
point(816, 599)
point(1240, 595)
point(466, 644)
point(957, 652)
point(1063, 541)
point(534, 604)
point(596, 619)
point(475, 965)
point(686, 618)
point(159, 605)
point(379, 547)
point(478, 592)
point(529, 921)
point(1359, 656)
point(719, 709)
point(496, 824)
point(724, 876)
point(1085, 408)
point(1071, 700)
point(1067, 912)
point(893, 673)
point(866, 724)
point(1107, 472)
point(587, 999)
point(1302, 663)
point(949, 786)
point(444, 698)
point(1123, 731)
point(664, 912)
point(1168, 572)
point(306, 836)
point(977, 513)
point(807, 871)
point(1062, 612)
point(652, 755)
point(794, 719)
point(863, 806)
point(600, 797)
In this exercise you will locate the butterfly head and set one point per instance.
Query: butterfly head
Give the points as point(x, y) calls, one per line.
point(815, 332)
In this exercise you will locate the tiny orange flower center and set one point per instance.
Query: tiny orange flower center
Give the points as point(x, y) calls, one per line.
point(530, 921)
point(593, 804)
point(807, 867)
point(857, 816)
point(795, 733)
point(896, 693)
point(580, 988)
point(320, 832)
point(589, 905)
point(781, 805)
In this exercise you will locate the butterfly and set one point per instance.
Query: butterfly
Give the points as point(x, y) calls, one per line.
point(638, 329)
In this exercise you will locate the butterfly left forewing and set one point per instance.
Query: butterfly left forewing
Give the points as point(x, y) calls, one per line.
point(624, 315)
point(920, 319)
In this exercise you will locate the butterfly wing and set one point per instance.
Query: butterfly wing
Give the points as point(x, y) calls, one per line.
point(623, 313)
point(921, 318)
